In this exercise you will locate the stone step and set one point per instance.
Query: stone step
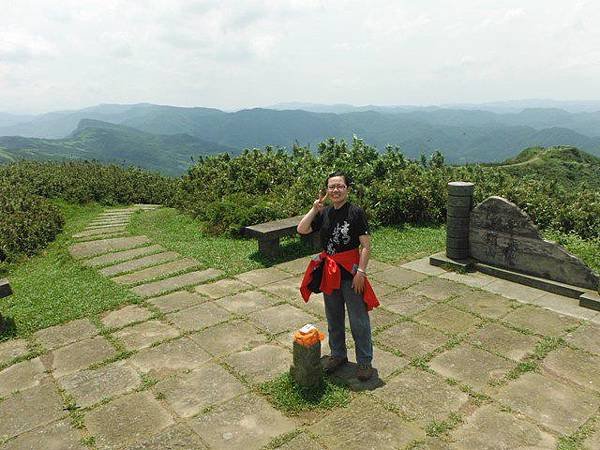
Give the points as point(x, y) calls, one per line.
point(95, 232)
point(109, 222)
point(102, 227)
point(140, 263)
point(95, 248)
point(118, 257)
point(160, 271)
point(146, 206)
point(180, 281)
point(102, 236)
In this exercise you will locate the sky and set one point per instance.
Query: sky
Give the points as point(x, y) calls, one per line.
point(69, 54)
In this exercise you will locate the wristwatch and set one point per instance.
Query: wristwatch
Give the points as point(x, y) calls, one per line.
point(358, 269)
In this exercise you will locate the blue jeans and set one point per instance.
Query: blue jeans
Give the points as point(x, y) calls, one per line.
point(360, 324)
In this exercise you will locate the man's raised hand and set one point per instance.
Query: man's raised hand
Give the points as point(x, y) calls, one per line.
point(318, 204)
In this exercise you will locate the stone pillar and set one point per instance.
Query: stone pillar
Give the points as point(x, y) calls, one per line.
point(306, 368)
point(460, 200)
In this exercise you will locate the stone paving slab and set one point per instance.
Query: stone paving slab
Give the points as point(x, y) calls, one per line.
point(315, 305)
point(68, 333)
point(229, 337)
point(472, 279)
point(117, 257)
point(411, 339)
point(301, 442)
point(222, 288)
point(162, 270)
point(178, 437)
point(42, 405)
point(101, 231)
point(438, 288)
point(551, 403)
point(109, 221)
point(181, 281)
point(406, 303)
point(448, 319)
point(145, 334)
point(139, 263)
point(261, 277)
point(513, 290)
point(471, 366)
point(57, 436)
point(376, 266)
point(100, 227)
point(125, 316)
point(89, 387)
point(295, 266)
point(198, 317)
point(379, 317)
point(502, 340)
point(577, 366)
point(586, 337)
point(399, 276)
point(145, 418)
point(261, 363)
point(491, 429)
point(422, 396)
point(383, 289)
point(245, 422)
point(484, 303)
point(365, 424)
point(540, 320)
point(187, 394)
point(176, 301)
point(21, 376)
point(593, 441)
point(246, 302)
point(288, 289)
point(564, 305)
point(422, 265)
point(12, 349)
point(173, 356)
point(387, 363)
point(94, 248)
point(86, 239)
point(80, 355)
point(278, 319)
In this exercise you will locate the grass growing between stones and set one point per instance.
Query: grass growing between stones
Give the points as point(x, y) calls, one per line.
point(285, 394)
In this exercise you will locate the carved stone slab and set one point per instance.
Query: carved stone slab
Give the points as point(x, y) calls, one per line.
point(503, 235)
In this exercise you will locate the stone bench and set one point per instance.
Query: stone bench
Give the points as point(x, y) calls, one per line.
point(5, 291)
point(269, 233)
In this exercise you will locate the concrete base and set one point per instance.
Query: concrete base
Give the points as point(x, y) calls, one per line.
point(441, 260)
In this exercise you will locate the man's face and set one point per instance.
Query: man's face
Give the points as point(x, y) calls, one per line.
point(337, 190)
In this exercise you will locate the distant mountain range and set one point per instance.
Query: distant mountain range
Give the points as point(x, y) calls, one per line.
point(166, 137)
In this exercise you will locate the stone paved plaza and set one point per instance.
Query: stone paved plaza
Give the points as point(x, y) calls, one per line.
point(465, 361)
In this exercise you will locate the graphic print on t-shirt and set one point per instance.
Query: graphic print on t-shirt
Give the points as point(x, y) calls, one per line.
point(339, 235)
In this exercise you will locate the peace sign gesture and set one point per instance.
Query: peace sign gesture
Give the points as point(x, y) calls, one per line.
point(318, 204)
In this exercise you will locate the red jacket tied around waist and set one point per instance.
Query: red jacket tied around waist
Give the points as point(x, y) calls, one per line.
point(332, 276)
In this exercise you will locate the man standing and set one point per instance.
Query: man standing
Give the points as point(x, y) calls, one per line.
point(342, 268)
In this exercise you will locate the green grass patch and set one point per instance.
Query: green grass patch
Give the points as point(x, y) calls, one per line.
point(285, 394)
point(402, 243)
point(586, 249)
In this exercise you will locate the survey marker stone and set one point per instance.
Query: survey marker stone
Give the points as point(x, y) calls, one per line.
point(509, 343)
point(222, 288)
point(411, 339)
point(177, 437)
point(80, 355)
point(448, 319)
point(575, 365)
point(229, 337)
point(176, 300)
point(550, 402)
point(139, 263)
point(191, 392)
point(160, 271)
point(399, 276)
point(406, 303)
point(262, 363)
point(245, 422)
point(261, 277)
point(280, 318)
point(490, 429)
point(484, 303)
point(246, 302)
point(23, 375)
point(116, 257)
point(93, 248)
point(198, 317)
point(60, 335)
point(586, 337)
point(540, 320)
point(177, 282)
point(365, 424)
point(89, 387)
point(144, 415)
point(125, 316)
point(422, 396)
point(56, 436)
point(145, 334)
point(12, 349)
point(438, 288)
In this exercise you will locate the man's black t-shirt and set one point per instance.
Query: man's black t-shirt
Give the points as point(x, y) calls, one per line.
point(340, 229)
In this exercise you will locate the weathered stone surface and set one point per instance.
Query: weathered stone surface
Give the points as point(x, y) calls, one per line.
point(246, 302)
point(405, 303)
point(60, 335)
point(576, 366)
point(448, 319)
point(491, 429)
point(21, 376)
point(399, 276)
point(484, 303)
point(503, 235)
point(540, 320)
point(139, 263)
point(315, 305)
point(171, 284)
point(100, 231)
point(586, 337)
point(379, 317)
point(422, 396)
point(261, 277)
point(365, 424)
point(29, 409)
point(502, 340)
point(80, 355)
point(278, 319)
point(245, 422)
point(154, 272)
point(295, 266)
point(438, 288)
point(12, 349)
point(288, 289)
point(472, 279)
point(165, 359)
point(261, 363)
point(100, 227)
point(549, 402)
point(125, 316)
point(422, 265)
point(144, 418)
point(189, 393)
point(176, 301)
point(306, 367)
point(145, 334)
point(301, 442)
point(112, 258)
point(178, 437)
point(229, 337)
point(57, 436)
point(89, 387)
point(593, 441)
point(93, 248)
point(412, 339)
point(198, 317)
point(471, 365)
point(222, 288)
point(564, 305)
point(516, 291)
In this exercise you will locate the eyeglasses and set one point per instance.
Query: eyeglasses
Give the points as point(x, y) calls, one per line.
point(339, 187)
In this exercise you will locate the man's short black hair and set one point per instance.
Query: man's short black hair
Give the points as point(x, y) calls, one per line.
point(339, 173)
